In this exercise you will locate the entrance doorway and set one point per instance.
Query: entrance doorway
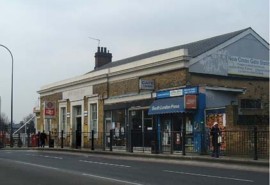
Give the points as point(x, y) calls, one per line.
point(141, 128)
point(78, 131)
point(77, 126)
point(171, 132)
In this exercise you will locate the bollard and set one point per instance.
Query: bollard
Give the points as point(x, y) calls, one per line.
point(49, 138)
point(28, 139)
point(255, 143)
point(131, 141)
point(111, 139)
point(62, 139)
point(171, 141)
point(184, 141)
point(92, 137)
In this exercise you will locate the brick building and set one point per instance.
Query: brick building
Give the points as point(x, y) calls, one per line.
point(157, 95)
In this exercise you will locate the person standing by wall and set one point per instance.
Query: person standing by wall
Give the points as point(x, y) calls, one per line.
point(215, 133)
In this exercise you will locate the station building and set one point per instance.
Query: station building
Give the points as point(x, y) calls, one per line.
point(157, 95)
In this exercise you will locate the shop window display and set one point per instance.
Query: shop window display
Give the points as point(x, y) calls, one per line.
point(115, 120)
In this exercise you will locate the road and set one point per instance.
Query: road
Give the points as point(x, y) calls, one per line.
point(28, 167)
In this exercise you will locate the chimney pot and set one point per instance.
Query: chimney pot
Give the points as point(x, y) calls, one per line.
point(102, 57)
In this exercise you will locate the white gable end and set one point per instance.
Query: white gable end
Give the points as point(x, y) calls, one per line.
point(247, 55)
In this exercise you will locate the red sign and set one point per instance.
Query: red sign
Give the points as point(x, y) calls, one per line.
point(190, 101)
point(49, 109)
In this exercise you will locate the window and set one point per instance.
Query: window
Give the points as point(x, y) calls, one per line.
point(115, 121)
point(78, 111)
point(251, 104)
point(148, 123)
point(47, 126)
point(93, 119)
point(63, 120)
point(108, 122)
point(253, 120)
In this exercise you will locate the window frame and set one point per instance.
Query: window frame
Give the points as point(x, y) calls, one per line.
point(62, 125)
point(90, 118)
point(250, 104)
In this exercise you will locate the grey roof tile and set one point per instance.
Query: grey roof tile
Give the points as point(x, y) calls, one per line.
point(194, 48)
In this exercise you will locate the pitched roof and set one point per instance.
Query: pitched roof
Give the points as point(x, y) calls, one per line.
point(194, 49)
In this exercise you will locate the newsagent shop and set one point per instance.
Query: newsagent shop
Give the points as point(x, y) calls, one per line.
point(175, 112)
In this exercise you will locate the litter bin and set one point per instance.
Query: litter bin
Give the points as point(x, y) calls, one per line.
point(51, 143)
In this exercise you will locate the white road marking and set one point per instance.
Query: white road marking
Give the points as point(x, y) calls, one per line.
point(209, 176)
point(31, 164)
point(111, 179)
point(109, 164)
point(46, 156)
point(72, 172)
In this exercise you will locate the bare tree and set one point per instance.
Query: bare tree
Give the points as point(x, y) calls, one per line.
point(3, 122)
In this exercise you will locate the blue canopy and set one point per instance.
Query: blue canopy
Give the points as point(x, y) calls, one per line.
point(168, 105)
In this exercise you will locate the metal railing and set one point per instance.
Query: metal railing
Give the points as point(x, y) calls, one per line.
point(252, 143)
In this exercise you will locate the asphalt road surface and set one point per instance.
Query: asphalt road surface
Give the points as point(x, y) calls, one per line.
point(27, 167)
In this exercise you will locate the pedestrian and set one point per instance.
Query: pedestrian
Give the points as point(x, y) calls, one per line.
point(43, 138)
point(215, 133)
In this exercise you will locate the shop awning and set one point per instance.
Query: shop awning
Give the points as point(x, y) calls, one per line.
point(168, 105)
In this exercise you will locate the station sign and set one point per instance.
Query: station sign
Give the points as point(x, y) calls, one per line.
point(146, 84)
point(49, 110)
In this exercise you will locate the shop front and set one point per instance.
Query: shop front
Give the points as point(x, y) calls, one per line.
point(129, 123)
point(174, 113)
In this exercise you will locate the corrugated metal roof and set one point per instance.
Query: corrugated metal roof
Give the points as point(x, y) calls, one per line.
point(194, 49)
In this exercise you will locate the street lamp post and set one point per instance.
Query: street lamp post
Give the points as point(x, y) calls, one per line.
point(0, 110)
point(11, 121)
point(0, 115)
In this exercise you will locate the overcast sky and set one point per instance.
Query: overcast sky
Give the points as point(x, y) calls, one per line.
point(50, 39)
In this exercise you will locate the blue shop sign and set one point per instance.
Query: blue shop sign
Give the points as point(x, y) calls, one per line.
point(177, 92)
point(163, 94)
point(192, 90)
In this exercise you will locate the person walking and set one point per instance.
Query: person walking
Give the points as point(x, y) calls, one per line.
point(215, 133)
point(43, 138)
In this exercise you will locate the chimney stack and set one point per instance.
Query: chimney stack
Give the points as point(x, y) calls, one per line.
point(102, 57)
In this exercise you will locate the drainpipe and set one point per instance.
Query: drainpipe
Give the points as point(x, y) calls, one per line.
point(108, 86)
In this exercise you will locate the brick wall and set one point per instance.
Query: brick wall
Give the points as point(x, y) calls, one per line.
point(54, 98)
point(124, 87)
point(255, 89)
point(162, 81)
point(100, 89)
point(169, 79)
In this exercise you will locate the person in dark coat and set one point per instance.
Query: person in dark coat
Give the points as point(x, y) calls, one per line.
point(43, 138)
point(215, 132)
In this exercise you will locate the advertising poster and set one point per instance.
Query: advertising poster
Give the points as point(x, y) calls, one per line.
point(217, 115)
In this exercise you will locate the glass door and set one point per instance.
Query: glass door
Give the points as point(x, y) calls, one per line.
point(166, 131)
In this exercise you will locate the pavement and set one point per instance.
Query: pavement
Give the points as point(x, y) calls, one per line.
point(149, 155)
